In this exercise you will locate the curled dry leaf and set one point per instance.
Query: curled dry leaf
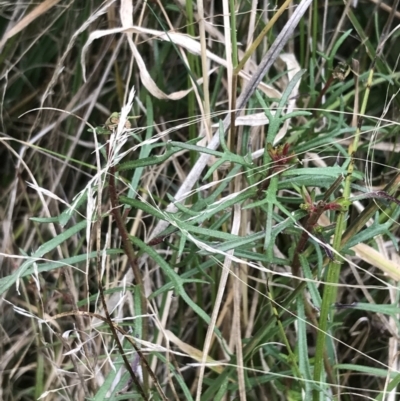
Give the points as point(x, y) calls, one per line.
point(179, 39)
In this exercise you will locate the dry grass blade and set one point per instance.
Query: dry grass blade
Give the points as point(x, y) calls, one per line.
point(375, 258)
point(192, 352)
point(221, 289)
point(28, 19)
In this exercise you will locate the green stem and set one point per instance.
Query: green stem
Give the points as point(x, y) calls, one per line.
point(332, 276)
point(329, 297)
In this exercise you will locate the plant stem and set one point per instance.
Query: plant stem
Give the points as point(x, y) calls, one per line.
point(131, 255)
point(332, 276)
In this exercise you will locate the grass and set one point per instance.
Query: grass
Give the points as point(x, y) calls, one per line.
point(202, 207)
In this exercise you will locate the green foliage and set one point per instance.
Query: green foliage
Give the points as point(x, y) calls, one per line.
point(270, 259)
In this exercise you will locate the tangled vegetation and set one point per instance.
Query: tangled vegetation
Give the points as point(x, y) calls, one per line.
point(200, 200)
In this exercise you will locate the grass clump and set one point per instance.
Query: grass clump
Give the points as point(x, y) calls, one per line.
point(200, 202)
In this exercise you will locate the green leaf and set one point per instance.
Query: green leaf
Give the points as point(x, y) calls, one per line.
point(146, 207)
point(59, 239)
point(387, 309)
point(175, 279)
point(7, 282)
point(276, 121)
point(147, 161)
point(335, 48)
point(368, 233)
point(366, 369)
point(333, 172)
point(302, 348)
point(177, 376)
point(45, 219)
